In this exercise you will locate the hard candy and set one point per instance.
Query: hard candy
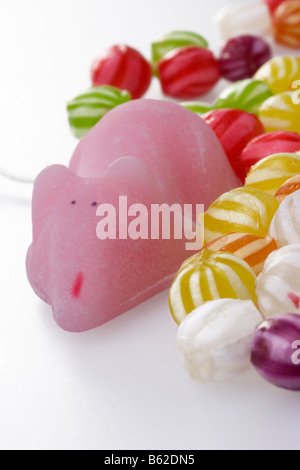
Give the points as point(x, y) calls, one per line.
point(278, 286)
point(214, 341)
point(271, 172)
point(247, 95)
point(289, 187)
point(285, 226)
point(281, 112)
point(265, 145)
point(286, 24)
point(210, 276)
point(279, 73)
point(242, 56)
point(252, 249)
point(234, 129)
point(242, 210)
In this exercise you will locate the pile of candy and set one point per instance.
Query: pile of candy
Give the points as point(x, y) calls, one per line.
point(251, 256)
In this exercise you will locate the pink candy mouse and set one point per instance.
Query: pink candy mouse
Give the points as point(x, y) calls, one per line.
point(153, 152)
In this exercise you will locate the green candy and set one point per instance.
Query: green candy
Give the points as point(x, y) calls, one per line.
point(174, 40)
point(198, 107)
point(247, 95)
point(87, 109)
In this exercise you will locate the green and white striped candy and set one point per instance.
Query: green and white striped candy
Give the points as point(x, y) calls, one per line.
point(198, 107)
point(174, 40)
point(88, 108)
point(247, 95)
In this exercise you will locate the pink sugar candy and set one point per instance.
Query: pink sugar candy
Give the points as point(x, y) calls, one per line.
point(150, 151)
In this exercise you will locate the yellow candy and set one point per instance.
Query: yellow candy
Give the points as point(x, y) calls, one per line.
point(289, 187)
point(210, 276)
point(242, 210)
point(271, 172)
point(281, 112)
point(279, 73)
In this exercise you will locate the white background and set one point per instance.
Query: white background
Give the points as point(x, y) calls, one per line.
point(120, 386)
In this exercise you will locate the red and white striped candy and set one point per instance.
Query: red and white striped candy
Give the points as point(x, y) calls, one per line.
point(188, 72)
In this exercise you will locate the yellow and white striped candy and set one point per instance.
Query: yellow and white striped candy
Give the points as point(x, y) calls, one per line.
point(270, 173)
point(242, 210)
point(281, 112)
point(280, 73)
point(210, 276)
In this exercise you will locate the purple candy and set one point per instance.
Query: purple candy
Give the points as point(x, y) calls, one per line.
point(242, 56)
point(276, 351)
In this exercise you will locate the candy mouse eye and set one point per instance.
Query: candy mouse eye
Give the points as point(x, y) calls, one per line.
point(73, 203)
point(94, 204)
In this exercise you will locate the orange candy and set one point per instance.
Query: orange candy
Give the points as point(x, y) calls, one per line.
point(286, 23)
point(252, 249)
point(289, 187)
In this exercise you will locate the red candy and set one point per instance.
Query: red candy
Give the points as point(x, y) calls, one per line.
point(273, 4)
point(124, 68)
point(242, 56)
point(234, 128)
point(286, 23)
point(265, 145)
point(188, 72)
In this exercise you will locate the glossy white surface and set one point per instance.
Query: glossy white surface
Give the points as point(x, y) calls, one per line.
point(120, 386)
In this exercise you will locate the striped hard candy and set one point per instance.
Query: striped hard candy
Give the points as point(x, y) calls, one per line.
point(198, 107)
point(278, 286)
point(286, 24)
point(174, 40)
point(279, 73)
point(87, 109)
point(188, 72)
point(251, 248)
point(271, 172)
point(285, 226)
point(242, 210)
point(210, 276)
point(289, 187)
point(281, 112)
point(247, 95)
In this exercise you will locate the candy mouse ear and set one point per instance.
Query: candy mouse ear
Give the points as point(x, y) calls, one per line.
point(49, 185)
point(133, 177)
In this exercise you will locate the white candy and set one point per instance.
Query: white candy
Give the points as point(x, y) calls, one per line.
point(285, 226)
point(214, 341)
point(242, 17)
point(278, 286)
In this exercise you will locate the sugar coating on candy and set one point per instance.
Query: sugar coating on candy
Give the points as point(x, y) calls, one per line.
point(271, 172)
point(188, 72)
point(214, 341)
point(242, 56)
point(242, 210)
point(281, 112)
point(122, 67)
point(174, 40)
point(289, 187)
point(242, 17)
point(285, 226)
point(179, 148)
point(88, 108)
point(247, 95)
point(149, 153)
point(251, 248)
point(279, 73)
point(209, 276)
point(234, 129)
point(278, 286)
point(275, 351)
point(264, 145)
point(286, 23)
